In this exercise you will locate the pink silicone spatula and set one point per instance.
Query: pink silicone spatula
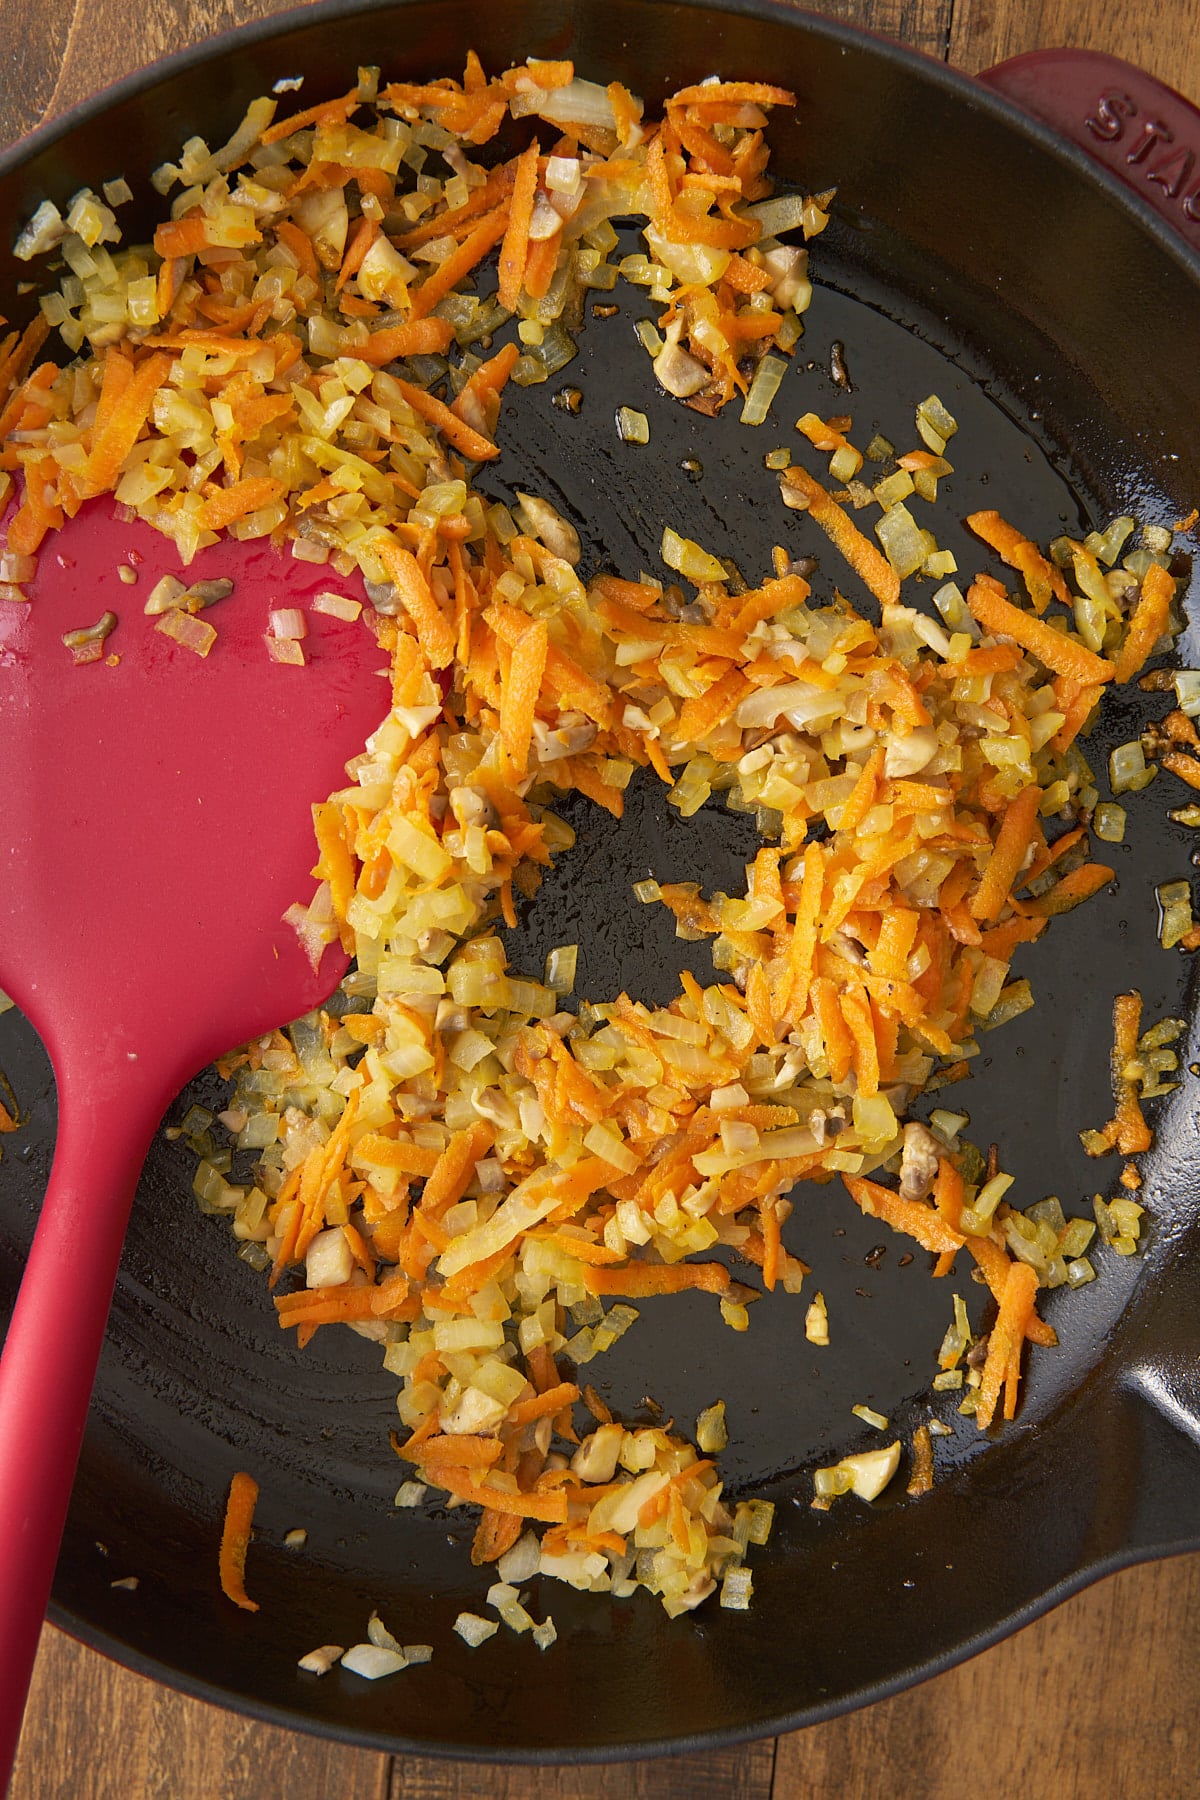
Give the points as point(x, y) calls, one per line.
point(155, 823)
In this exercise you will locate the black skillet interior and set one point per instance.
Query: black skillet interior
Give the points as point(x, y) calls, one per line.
point(969, 256)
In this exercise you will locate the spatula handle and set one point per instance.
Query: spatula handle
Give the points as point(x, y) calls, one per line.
point(49, 1363)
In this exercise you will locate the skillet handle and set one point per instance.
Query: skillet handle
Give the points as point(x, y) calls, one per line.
point(1132, 124)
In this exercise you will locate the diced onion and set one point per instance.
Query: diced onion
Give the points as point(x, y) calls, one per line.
point(337, 606)
point(1187, 690)
point(711, 1433)
point(288, 622)
point(473, 1630)
point(686, 556)
point(632, 427)
point(816, 1321)
point(1127, 771)
point(763, 389)
point(1175, 903)
point(279, 649)
point(372, 1662)
point(871, 1417)
point(194, 634)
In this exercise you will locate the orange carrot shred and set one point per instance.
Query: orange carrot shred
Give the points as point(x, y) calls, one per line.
point(1012, 844)
point(520, 691)
point(1064, 655)
point(1150, 619)
point(1042, 579)
point(434, 630)
point(515, 249)
point(1128, 1129)
point(867, 562)
point(112, 445)
point(458, 266)
point(235, 1540)
point(1004, 1340)
point(640, 1279)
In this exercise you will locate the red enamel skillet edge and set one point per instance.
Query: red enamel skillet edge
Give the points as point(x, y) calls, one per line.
point(1110, 106)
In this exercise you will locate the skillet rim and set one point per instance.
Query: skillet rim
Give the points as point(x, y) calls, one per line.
point(853, 39)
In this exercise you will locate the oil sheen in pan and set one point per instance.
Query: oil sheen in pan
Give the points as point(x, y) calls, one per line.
point(197, 1378)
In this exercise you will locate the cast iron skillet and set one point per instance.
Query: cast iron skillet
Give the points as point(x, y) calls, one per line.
point(971, 253)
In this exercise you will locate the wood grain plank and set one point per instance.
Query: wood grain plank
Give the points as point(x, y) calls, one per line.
point(93, 1731)
point(743, 1773)
point(923, 24)
point(1165, 39)
point(1096, 1699)
point(96, 44)
point(35, 40)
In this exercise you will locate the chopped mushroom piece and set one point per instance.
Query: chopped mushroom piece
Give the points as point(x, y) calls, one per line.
point(788, 265)
point(918, 1162)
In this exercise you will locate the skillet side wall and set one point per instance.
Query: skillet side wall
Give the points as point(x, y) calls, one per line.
point(984, 238)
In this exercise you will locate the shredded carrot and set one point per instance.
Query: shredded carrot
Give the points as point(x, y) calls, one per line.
point(235, 1540)
point(865, 789)
point(455, 1168)
point(1064, 655)
point(325, 1306)
point(515, 249)
point(520, 691)
point(327, 112)
point(794, 995)
point(866, 561)
point(550, 1507)
point(1176, 762)
point(455, 430)
point(1004, 1341)
point(910, 1216)
point(182, 237)
point(772, 1258)
point(737, 93)
point(544, 1405)
point(1008, 854)
point(994, 1264)
point(495, 1534)
point(1041, 578)
point(1149, 622)
point(396, 1153)
point(459, 265)
point(365, 234)
point(434, 631)
point(234, 502)
point(1128, 1130)
point(864, 1052)
point(419, 337)
point(836, 1036)
point(124, 423)
point(463, 1452)
point(1079, 885)
point(640, 1279)
point(489, 378)
point(948, 1194)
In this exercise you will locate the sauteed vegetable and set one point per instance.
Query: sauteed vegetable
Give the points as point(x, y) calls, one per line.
point(458, 1164)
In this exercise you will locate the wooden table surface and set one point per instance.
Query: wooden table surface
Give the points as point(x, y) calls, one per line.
point(1098, 1699)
